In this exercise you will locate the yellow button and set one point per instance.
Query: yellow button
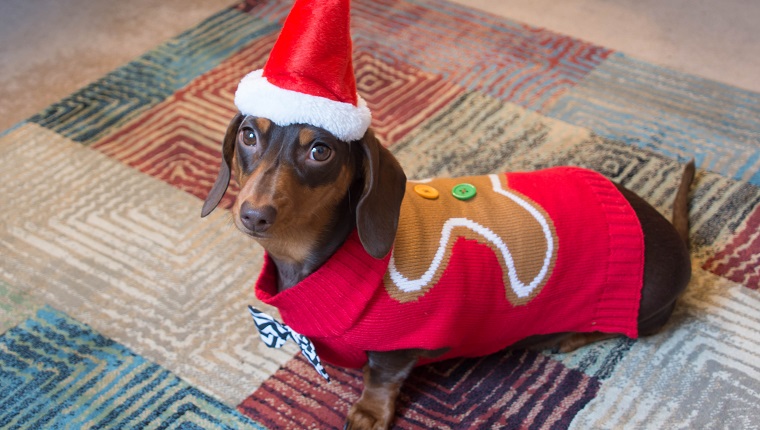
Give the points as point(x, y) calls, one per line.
point(426, 191)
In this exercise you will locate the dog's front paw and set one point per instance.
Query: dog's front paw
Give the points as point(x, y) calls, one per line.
point(362, 418)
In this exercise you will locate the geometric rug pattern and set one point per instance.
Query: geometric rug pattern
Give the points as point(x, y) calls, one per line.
point(120, 307)
point(58, 373)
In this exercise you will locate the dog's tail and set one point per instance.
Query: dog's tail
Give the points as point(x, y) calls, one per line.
point(681, 203)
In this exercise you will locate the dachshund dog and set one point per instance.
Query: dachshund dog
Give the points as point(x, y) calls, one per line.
point(304, 194)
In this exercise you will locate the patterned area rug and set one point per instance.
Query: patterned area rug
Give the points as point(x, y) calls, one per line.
point(120, 307)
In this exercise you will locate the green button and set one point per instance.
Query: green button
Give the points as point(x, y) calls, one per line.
point(464, 191)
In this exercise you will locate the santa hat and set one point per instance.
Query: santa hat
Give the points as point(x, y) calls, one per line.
point(309, 77)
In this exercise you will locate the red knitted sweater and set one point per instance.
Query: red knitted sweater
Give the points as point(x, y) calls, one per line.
point(486, 293)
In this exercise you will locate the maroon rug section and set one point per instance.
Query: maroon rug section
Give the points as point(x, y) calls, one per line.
point(179, 140)
point(738, 260)
point(506, 390)
point(297, 397)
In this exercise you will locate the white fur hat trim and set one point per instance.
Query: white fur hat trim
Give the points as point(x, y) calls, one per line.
point(256, 96)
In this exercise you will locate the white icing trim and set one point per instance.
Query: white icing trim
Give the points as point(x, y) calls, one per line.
point(521, 289)
point(256, 96)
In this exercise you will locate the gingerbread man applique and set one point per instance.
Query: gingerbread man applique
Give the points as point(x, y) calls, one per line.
point(436, 213)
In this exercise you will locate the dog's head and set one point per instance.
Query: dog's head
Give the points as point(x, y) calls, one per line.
point(299, 185)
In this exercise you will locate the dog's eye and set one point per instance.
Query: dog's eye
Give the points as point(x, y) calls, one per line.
point(320, 152)
point(248, 136)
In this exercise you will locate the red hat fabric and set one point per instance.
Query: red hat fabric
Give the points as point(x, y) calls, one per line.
point(309, 77)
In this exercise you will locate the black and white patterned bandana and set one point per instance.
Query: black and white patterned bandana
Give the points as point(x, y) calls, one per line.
point(274, 334)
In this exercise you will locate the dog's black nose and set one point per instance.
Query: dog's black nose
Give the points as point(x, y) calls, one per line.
point(257, 220)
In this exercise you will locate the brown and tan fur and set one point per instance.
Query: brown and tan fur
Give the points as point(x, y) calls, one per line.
point(300, 205)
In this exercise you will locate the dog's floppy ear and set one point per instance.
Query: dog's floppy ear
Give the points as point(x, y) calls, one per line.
point(223, 179)
point(378, 209)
